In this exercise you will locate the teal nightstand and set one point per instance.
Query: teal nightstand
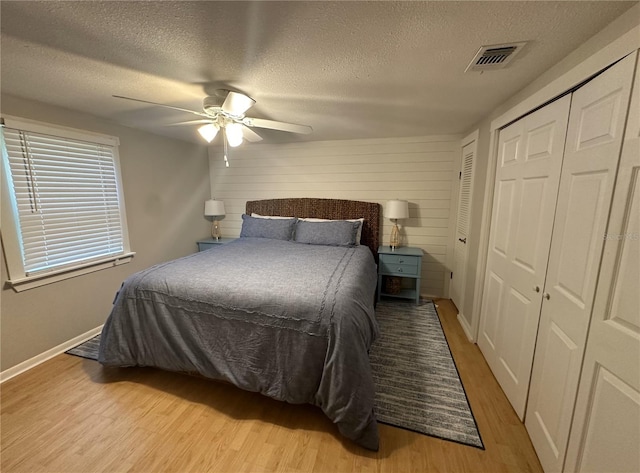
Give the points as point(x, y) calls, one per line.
point(211, 242)
point(404, 262)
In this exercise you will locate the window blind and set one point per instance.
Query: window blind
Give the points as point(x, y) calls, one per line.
point(66, 194)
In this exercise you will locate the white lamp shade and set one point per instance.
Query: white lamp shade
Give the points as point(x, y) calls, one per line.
point(396, 209)
point(214, 208)
point(234, 134)
point(208, 131)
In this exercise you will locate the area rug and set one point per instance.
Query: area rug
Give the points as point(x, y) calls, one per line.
point(417, 383)
point(88, 349)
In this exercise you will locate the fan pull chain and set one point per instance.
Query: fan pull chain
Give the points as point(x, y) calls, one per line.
point(224, 141)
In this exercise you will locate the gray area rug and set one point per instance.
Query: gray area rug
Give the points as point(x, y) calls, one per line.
point(88, 349)
point(417, 383)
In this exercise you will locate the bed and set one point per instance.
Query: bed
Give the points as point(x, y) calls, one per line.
point(293, 320)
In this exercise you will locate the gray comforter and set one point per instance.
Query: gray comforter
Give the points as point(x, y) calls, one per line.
point(291, 321)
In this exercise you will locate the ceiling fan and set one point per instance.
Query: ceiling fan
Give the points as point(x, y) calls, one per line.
point(226, 110)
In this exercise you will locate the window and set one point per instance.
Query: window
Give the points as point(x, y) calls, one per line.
point(63, 209)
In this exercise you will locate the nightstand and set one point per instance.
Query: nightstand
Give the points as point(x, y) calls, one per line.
point(211, 242)
point(404, 262)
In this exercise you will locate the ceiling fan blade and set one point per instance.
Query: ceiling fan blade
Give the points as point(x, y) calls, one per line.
point(162, 105)
point(236, 104)
point(250, 135)
point(274, 125)
point(191, 122)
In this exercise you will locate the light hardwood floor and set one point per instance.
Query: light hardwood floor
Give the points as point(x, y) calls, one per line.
point(72, 415)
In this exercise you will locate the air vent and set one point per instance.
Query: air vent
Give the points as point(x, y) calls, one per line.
point(495, 56)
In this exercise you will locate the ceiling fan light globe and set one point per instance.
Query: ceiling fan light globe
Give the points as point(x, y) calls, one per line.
point(234, 134)
point(208, 131)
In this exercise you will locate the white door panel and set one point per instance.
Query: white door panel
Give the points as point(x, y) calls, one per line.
point(504, 217)
point(516, 328)
point(605, 432)
point(557, 362)
point(540, 141)
point(509, 148)
point(579, 238)
point(527, 179)
point(494, 291)
point(610, 446)
point(594, 139)
point(527, 251)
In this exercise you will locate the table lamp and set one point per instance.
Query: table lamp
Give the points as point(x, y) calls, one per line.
point(214, 210)
point(395, 210)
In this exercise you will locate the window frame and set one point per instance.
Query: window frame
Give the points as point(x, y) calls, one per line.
point(9, 226)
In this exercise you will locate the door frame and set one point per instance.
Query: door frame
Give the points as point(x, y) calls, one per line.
point(616, 50)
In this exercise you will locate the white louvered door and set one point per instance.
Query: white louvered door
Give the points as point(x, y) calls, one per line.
point(527, 178)
point(462, 224)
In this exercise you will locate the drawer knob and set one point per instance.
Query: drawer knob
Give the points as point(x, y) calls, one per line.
point(400, 261)
point(399, 270)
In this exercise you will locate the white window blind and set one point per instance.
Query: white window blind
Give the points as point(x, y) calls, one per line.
point(66, 199)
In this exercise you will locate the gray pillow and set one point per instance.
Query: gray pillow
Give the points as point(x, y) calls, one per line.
point(276, 229)
point(333, 233)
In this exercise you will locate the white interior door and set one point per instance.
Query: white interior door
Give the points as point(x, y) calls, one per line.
point(594, 139)
point(606, 425)
point(458, 277)
point(527, 178)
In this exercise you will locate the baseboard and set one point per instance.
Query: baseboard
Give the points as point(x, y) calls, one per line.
point(465, 326)
point(42, 357)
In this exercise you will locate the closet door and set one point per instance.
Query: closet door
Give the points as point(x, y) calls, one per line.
point(606, 428)
point(459, 275)
point(527, 177)
point(594, 140)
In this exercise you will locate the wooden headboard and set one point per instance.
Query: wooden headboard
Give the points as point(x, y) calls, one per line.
point(335, 209)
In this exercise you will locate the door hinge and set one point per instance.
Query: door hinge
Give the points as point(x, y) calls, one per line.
point(451, 274)
point(460, 175)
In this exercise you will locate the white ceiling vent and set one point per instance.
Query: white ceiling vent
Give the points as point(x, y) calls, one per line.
point(495, 56)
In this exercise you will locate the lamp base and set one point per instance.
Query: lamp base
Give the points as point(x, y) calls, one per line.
point(394, 241)
point(215, 230)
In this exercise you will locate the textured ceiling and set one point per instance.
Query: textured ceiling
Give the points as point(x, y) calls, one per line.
point(348, 69)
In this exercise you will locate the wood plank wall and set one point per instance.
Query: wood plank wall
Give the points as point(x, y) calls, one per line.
point(422, 170)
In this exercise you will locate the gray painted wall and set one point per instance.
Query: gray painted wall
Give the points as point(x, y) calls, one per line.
point(165, 185)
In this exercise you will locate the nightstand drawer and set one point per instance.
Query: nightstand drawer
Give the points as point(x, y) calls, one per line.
point(205, 246)
point(400, 269)
point(400, 259)
point(209, 243)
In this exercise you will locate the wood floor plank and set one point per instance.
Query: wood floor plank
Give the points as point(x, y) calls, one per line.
point(73, 415)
